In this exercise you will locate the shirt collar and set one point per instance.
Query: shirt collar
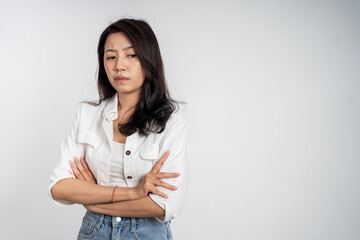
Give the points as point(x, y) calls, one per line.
point(110, 111)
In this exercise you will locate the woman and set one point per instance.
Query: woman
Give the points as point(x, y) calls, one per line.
point(129, 150)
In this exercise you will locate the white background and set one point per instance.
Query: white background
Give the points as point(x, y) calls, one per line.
point(273, 108)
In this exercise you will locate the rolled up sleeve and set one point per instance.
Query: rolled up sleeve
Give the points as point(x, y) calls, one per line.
point(177, 143)
point(69, 149)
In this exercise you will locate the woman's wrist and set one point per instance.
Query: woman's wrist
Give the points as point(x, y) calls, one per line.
point(125, 193)
point(134, 193)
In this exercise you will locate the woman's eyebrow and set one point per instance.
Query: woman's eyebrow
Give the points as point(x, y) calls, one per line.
point(128, 47)
point(124, 49)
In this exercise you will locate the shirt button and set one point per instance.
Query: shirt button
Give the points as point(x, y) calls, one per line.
point(129, 177)
point(118, 219)
point(128, 152)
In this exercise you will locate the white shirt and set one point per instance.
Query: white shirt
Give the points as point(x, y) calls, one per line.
point(91, 136)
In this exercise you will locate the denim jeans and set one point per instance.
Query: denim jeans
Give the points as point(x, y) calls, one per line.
point(101, 227)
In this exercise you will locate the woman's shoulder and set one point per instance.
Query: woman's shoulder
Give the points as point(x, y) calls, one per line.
point(102, 108)
point(175, 127)
point(90, 113)
point(178, 116)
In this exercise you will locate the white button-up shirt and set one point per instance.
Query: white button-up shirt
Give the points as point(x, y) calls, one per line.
point(91, 136)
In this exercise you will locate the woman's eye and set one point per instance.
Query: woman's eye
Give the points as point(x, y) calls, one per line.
point(132, 55)
point(110, 58)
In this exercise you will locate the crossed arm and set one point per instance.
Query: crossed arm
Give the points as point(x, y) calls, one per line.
point(128, 202)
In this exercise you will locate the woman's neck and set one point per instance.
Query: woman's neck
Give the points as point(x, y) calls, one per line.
point(127, 103)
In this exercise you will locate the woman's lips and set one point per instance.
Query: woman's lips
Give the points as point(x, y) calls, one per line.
point(121, 79)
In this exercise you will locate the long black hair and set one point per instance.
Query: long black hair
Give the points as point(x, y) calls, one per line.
point(155, 105)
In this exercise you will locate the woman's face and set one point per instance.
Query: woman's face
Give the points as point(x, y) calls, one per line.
point(122, 66)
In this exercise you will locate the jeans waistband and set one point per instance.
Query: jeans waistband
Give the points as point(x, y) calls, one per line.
point(117, 220)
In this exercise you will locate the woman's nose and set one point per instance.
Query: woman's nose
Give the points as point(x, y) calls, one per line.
point(120, 65)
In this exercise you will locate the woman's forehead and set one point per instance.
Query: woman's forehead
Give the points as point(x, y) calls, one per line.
point(118, 41)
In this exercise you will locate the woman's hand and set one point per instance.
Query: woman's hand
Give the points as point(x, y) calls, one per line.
point(153, 178)
point(81, 170)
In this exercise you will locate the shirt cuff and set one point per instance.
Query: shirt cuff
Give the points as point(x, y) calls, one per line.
point(159, 201)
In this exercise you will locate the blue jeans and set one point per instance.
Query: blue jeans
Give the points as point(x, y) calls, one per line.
point(101, 227)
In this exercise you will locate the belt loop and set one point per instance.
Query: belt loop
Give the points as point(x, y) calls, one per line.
point(113, 221)
point(133, 224)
